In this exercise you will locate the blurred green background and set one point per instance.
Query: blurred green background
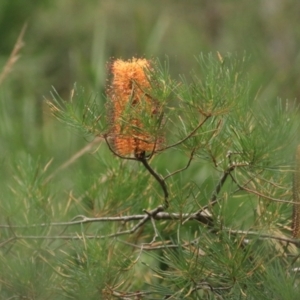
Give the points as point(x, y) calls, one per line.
point(72, 41)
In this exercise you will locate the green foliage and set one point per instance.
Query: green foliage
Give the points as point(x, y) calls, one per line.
point(227, 174)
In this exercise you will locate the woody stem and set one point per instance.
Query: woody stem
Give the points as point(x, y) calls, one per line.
point(158, 178)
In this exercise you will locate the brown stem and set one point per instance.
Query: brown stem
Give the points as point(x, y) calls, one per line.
point(296, 197)
point(158, 178)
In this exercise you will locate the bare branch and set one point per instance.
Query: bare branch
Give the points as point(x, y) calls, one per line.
point(265, 236)
point(152, 246)
point(213, 199)
point(156, 214)
point(129, 295)
point(156, 235)
point(160, 180)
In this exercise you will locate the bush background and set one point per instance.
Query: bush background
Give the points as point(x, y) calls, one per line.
point(71, 41)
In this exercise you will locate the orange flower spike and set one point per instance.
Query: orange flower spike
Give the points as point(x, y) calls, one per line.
point(126, 74)
point(129, 100)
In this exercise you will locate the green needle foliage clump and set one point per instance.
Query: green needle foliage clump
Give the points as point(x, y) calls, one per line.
point(187, 194)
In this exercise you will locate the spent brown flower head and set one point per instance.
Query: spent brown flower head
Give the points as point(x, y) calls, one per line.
point(133, 113)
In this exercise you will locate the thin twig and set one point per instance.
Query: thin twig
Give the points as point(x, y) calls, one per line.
point(213, 199)
point(265, 236)
point(152, 246)
point(156, 235)
point(77, 155)
point(159, 245)
point(187, 137)
point(205, 286)
point(105, 136)
point(8, 241)
point(159, 179)
point(184, 168)
point(242, 187)
point(129, 296)
point(14, 56)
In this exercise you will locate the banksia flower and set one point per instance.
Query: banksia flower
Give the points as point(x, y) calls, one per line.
point(296, 197)
point(134, 115)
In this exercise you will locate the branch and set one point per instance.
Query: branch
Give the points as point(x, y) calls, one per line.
point(129, 295)
point(158, 178)
point(207, 286)
point(266, 236)
point(154, 246)
point(155, 214)
point(142, 158)
point(213, 200)
point(105, 136)
point(187, 137)
point(184, 168)
point(244, 188)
